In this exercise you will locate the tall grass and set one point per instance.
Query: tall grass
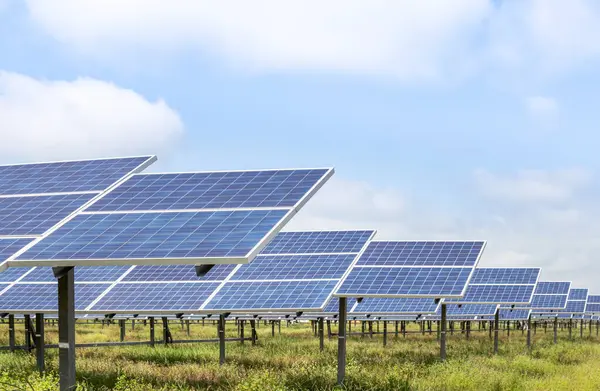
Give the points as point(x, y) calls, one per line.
point(292, 361)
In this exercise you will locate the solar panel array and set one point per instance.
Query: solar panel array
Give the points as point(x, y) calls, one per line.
point(593, 304)
point(284, 282)
point(576, 301)
point(398, 306)
point(514, 314)
point(404, 269)
point(500, 286)
point(208, 217)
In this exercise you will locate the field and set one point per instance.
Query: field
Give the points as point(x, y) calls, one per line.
point(292, 361)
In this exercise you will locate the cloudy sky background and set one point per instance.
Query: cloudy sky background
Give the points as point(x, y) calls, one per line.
point(476, 119)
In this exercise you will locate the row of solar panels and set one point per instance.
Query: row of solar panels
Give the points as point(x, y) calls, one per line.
point(138, 235)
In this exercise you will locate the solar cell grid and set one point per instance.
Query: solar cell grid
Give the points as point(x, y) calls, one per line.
point(593, 299)
point(12, 274)
point(592, 307)
point(43, 297)
point(575, 306)
point(552, 287)
point(9, 246)
point(180, 235)
point(578, 294)
point(73, 176)
point(279, 295)
point(514, 314)
point(376, 305)
point(281, 267)
point(82, 274)
point(398, 253)
point(139, 297)
point(500, 294)
point(505, 276)
point(241, 189)
point(471, 309)
point(34, 215)
point(552, 302)
point(177, 273)
point(407, 281)
point(318, 242)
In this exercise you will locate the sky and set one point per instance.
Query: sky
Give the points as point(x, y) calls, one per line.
point(470, 119)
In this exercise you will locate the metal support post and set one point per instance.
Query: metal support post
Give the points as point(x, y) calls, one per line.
point(122, 327)
point(11, 332)
point(242, 324)
point(167, 337)
point(342, 341)
point(496, 326)
point(384, 332)
point(370, 329)
point(529, 332)
point(508, 328)
point(152, 331)
point(328, 329)
point(396, 329)
point(221, 339)
point(468, 330)
point(253, 331)
point(187, 327)
point(555, 330)
point(28, 342)
point(581, 328)
point(321, 336)
point(570, 328)
point(66, 326)
point(40, 344)
point(272, 328)
point(443, 334)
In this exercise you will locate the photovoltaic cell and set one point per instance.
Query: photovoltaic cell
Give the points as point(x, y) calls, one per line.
point(242, 189)
point(82, 274)
point(470, 309)
point(285, 267)
point(398, 253)
point(578, 294)
point(43, 297)
point(156, 235)
point(594, 299)
point(280, 295)
point(130, 297)
point(317, 242)
point(592, 307)
point(9, 247)
point(34, 215)
point(12, 274)
point(575, 306)
point(504, 275)
point(405, 281)
point(550, 302)
point(376, 305)
point(499, 294)
point(59, 177)
point(514, 314)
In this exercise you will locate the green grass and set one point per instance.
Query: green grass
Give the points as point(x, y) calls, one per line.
point(292, 361)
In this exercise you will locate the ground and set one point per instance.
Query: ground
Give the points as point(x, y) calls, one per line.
point(292, 361)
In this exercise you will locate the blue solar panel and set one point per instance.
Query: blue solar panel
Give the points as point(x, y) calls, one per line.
point(405, 281)
point(177, 273)
point(592, 307)
point(35, 215)
point(514, 314)
point(575, 306)
point(43, 297)
point(552, 288)
point(280, 295)
point(242, 189)
point(594, 299)
point(548, 302)
point(471, 309)
point(74, 176)
point(280, 267)
point(499, 294)
point(377, 305)
point(505, 275)
point(398, 253)
point(140, 297)
point(82, 274)
point(12, 274)
point(157, 235)
point(9, 247)
point(578, 294)
point(318, 242)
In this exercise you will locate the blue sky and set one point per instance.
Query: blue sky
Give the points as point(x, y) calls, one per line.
point(475, 119)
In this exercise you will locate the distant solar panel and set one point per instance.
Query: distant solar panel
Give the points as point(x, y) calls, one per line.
point(578, 294)
point(220, 217)
point(500, 286)
point(549, 302)
point(471, 309)
point(593, 304)
point(553, 288)
point(398, 306)
point(576, 301)
point(412, 269)
point(69, 176)
point(514, 314)
point(315, 242)
point(9, 246)
point(549, 296)
point(27, 298)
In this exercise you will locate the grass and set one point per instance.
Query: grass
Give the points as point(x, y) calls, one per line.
point(292, 361)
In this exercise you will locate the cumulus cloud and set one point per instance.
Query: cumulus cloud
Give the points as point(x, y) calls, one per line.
point(563, 239)
point(42, 119)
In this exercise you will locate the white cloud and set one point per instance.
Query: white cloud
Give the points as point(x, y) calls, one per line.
point(409, 39)
point(532, 185)
point(563, 240)
point(543, 110)
point(42, 119)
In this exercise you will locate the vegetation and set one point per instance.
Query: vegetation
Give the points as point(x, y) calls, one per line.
point(292, 361)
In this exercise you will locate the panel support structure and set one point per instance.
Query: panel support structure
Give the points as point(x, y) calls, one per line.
point(66, 326)
point(39, 342)
point(496, 326)
point(342, 341)
point(221, 339)
point(321, 335)
point(11, 332)
point(152, 331)
point(555, 330)
point(443, 334)
point(529, 332)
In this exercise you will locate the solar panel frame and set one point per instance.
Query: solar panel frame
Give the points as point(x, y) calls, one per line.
point(398, 306)
point(18, 260)
point(364, 294)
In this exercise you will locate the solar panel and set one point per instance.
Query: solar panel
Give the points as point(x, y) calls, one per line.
point(514, 314)
point(311, 242)
point(500, 286)
point(222, 217)
point(29, 298)
point(271, 282)
point(549, 302)
point(374, 305)
point(412, 269)
point(593, 304)
point(82, 274)
point(549, 296)
point(9, 246)
point(470, 309)
point(576, 301)
point(553, 288)
point(69, 176)
point(578, 294)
